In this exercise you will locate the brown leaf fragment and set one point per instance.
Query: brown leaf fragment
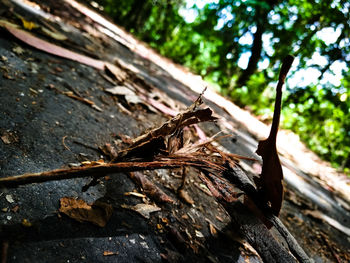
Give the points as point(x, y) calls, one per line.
point(109, 150)
point(110, 253)
point(116, 71)
point(130, 95)
point(9, 137)
point(212, 230)
point(270, 181)
point(15, 209)
point(150, 189)
point(143, 209)
point(185, 196)
point(98, 213)
point(25, 222)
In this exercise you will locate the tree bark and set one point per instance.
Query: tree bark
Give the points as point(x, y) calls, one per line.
point(254, 58)
point(261, 19)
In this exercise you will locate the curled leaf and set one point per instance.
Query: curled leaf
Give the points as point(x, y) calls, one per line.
point(98, 213)
point(270, 181)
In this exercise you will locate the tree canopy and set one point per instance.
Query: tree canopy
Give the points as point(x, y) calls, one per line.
point(215, 38)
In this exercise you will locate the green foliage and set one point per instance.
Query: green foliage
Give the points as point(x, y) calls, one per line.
point(321, 119)
point(214, 42)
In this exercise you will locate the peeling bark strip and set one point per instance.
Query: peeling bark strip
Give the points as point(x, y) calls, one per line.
point(96, 171)
point(270, 181)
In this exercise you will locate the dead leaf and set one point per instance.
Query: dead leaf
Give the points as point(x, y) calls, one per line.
point(26, 223)
point(212, 230)
point(110, 253)
point(199, 234)
point(15, 209)
point(9, 199)
point(270, 181)
point(130, 96)
point(120, 90)
point(18, 50)
point(185, 196)
point(116, 71)
point(28, 24)
point(98, 213)
point(143, 209)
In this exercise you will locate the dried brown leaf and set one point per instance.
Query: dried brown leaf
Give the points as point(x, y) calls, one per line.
point(143, 209)
point(98, 213)
point(270, 181)
point(185, 196)
point(110, 253)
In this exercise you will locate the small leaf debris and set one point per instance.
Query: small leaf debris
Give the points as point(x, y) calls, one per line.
point(98, 213)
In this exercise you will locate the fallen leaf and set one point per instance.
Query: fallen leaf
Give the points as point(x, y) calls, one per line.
point(98, 213)
point(9, 137)
point(130, 96)
point(28, 24)
point(15, 209)
point(110, 253)
point(120, 90)
point(143, 209)
point(270, 181)
point(117, 72)
point(26, 223)
point(5, 139)
point(185, 196)
point(199, 234)
point(212, 230)
point(18, 50)
point(9, 199)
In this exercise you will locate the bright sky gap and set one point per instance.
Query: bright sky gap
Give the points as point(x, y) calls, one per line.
point(302, 77)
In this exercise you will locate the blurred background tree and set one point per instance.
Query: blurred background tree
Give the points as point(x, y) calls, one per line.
point(237, 45)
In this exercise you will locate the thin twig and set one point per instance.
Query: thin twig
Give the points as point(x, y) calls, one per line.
point(96, 171)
